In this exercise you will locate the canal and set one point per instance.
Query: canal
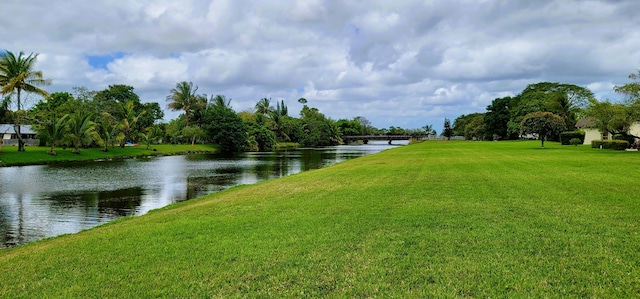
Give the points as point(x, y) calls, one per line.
point(43, 201)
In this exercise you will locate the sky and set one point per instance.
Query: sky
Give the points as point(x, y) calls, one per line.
point(397, 63)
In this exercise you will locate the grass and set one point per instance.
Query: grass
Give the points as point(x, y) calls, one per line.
point(38, 155)
point(435, 219)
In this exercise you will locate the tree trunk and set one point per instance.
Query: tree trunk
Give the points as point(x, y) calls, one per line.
point(542, 142)
point(17, 127)
point(53, 150)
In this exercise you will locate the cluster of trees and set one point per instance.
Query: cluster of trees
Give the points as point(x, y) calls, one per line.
point(115, 116)
point(259, 129)
point(213, 120)
point(546, 109)
point(89, 118)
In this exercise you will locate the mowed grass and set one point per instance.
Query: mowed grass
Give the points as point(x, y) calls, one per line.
point(436, 219)
point(38, 154)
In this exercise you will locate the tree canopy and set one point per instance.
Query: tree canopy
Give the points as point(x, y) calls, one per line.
point(17, 74)
point(543, 124)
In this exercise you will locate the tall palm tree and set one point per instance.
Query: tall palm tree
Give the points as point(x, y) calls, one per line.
point(17, 74)
point(278, 116)
point(183, 97)
point(264, 106)
point(220, 101)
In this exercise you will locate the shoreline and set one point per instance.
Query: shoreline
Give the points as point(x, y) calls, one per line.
point(39, 156)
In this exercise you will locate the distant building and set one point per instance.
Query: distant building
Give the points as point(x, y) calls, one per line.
point(591, 133)
point(9, 136)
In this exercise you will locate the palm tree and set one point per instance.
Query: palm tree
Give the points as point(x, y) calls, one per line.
point(51, 128)
point(278, 116)
point(108, 130)
point(264, 106)
point(17, 74)
point(129, 120)
point(220, 101)
point(82, 129)
point(151, 135)
point(429, 130)
point(183, 97)
point(563, 106)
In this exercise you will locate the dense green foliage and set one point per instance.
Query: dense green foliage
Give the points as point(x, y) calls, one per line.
point(504, 117)
point(447, 131)
point(615, 118)
point(565, 137)
point(610, 144)
point(471, 126)
point(224, 127)
point(431, 220)
point(542, 124)
point(575, 141)
point(497, 117)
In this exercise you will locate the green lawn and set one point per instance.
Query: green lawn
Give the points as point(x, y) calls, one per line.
point(436, 219)
point(38, 155)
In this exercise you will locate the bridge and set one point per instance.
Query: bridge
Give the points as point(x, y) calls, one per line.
point(365, 138)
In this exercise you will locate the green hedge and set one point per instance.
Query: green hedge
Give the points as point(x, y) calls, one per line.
point(610, 144)
point(565, 137)
point(628, 138)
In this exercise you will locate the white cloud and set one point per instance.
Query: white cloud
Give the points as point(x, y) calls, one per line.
point(402, 63)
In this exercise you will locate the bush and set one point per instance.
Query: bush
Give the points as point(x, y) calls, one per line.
point(626, 137)
point(575, 141)
point(610, 144)
point(565, 137)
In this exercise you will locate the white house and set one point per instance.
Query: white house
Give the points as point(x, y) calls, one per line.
point(9, 136)
point(591, 133)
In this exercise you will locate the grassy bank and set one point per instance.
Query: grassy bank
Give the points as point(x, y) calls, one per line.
point(38, 155)
point(435, 219)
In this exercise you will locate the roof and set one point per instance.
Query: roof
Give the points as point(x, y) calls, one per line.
point(8, 128)
point(585, 123)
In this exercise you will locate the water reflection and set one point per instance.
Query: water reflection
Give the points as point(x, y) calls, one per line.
point(43, 201)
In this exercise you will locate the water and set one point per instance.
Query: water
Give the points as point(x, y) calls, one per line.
point(43, 201)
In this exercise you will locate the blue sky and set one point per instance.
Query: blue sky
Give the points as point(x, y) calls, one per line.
point(397, 63)
point(101, 61)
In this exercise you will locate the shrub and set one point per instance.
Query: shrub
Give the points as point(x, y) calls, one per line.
point(575, 141)
point(565, 137)
point(610, 144)
point(626, 137)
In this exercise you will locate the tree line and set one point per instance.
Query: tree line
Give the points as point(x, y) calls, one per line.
point(115, 116)
point(546, 109)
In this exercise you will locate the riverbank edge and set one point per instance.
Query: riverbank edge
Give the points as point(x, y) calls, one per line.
point(106, 159)
point(281, 146)
point(84, 159)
